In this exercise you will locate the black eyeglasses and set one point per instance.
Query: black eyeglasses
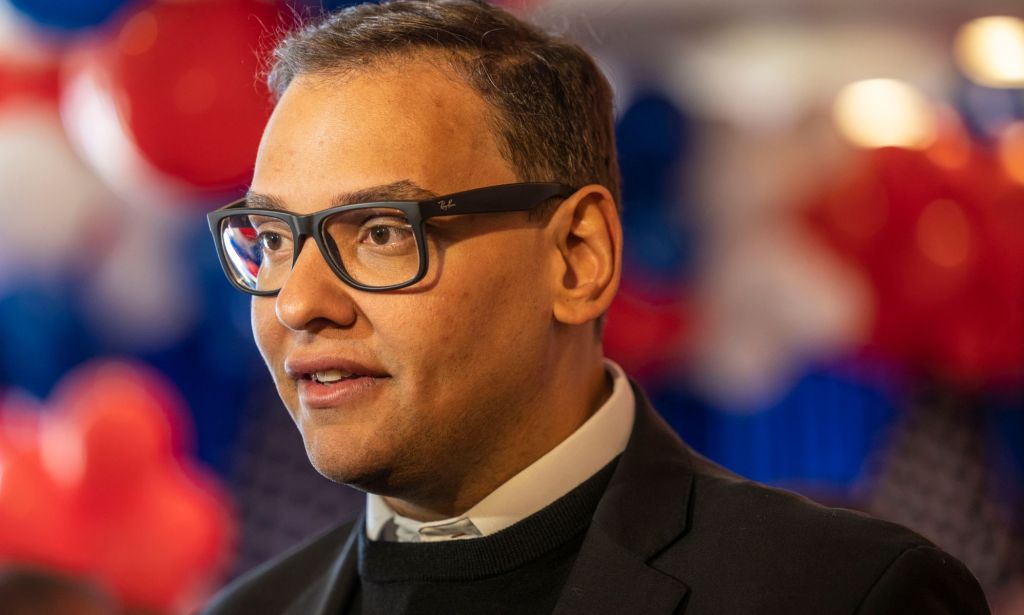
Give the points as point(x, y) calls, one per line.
point(371, 246)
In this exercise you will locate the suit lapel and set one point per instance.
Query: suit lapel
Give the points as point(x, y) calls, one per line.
point(608, 579)
point(643, 510)
point(336, 587)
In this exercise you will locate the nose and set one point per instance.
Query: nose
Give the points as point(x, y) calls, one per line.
point(313, 296)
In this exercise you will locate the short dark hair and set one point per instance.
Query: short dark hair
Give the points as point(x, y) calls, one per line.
point(554, 117)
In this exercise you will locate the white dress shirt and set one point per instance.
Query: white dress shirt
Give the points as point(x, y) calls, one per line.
point(559, 471)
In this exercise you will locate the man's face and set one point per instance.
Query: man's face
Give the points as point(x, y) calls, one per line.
point(454, 357)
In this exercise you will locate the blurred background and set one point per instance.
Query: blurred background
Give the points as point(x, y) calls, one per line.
point(824, 289)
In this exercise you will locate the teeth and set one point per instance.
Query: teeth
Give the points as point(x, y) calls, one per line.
point(330, 375)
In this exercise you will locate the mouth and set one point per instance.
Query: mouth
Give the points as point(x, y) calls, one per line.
point(331, 376)
point(337, 389)
point(326, 383)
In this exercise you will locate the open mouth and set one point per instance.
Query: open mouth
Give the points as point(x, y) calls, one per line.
point(334, 382)
point(332, 376)
point(336, 388)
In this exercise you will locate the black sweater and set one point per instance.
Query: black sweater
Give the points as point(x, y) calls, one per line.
point(518, 570)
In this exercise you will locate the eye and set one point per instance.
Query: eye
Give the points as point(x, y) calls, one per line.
point(382, 235)
point(273, 241)
point(270, 234)
point(386, 231)
point(269, 241)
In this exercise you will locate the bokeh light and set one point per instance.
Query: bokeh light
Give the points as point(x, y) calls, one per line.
point(990, 50)
point(1011, 151)
point(885, 113)
point(942, 233)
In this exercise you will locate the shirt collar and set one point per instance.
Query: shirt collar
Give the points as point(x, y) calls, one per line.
point(599, 440)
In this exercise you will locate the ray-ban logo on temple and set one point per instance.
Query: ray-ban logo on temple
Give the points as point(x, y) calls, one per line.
point(446, 204)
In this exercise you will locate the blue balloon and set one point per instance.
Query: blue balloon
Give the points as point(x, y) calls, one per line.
point(327, 6)
point(69, 15)
point(987, 111)
point(820, 432)
point(336, 4)
point(653, 138)
point(43, 337)
point(657, 242)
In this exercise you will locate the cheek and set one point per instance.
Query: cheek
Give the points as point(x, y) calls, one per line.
point(482, 316)
point(267, 331)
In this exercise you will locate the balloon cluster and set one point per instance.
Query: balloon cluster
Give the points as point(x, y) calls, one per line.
point(166, 97)
point(647, 325)
point(938, 235)
point(172, 98)
point(112, 138)
point(96, 485)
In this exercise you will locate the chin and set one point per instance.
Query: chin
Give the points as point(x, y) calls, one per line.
point(342, 463)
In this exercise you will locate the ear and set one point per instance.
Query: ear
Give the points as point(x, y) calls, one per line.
point(588, 242)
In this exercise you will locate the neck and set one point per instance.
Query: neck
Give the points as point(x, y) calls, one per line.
point(512, 450)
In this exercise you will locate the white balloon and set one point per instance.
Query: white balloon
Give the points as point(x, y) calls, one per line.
point(52, 207)
point(18, 39)
point(774, 299)
point(140, 296)
point(98, 134)
point(767, 77)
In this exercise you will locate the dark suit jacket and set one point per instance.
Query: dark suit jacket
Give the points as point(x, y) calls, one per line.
point(675, 533)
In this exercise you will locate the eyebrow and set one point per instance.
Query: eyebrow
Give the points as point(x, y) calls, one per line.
point(402, 190)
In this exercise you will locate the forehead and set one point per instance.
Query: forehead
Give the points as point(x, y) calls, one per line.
point(415, 121)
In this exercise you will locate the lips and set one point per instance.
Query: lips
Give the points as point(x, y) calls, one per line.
point(331, 376)
point(333, 382)
point(330, 368)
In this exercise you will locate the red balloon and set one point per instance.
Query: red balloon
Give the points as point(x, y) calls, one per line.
point(128, 423)
point(943, 247)
point(184, 79)
point(28, 82)
point(647, 329)
point(100, 487)
point(36, 521)
point(165, 549)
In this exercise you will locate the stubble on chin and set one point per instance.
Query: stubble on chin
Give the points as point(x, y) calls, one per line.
point(341, 464)
point(348, 455)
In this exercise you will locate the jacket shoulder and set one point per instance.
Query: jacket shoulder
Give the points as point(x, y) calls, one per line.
point(278, 583)
point(778, 549)
point(773, 516)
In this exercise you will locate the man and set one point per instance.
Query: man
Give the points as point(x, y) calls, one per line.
point(431, 238)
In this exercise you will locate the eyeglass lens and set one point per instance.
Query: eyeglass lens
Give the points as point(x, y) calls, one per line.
point(376, 247)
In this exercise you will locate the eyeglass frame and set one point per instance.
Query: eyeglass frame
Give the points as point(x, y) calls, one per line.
point(501, 198)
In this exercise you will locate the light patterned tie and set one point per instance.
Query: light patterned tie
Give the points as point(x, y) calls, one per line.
point(402, 529)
